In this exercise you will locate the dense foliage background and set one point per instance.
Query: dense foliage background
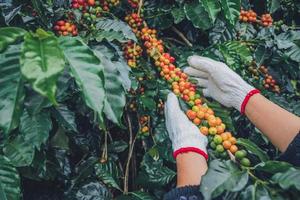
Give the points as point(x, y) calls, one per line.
point(76, 122)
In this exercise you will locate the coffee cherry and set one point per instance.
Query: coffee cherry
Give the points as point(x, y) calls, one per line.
point(219, 148)
point(145, 129)
point(213, 145)
point(227, 144)
point(218, 139)
point(240, 154)
point(245, 162)
point(204, 130)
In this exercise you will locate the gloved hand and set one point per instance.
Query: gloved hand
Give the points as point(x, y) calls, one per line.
point(220, 82)
point(185, 136)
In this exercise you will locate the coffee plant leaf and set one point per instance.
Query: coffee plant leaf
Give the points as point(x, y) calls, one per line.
point(65, 117)
point(10, 35)
point(42, 61)
point(222, 176)
point(253, 148)
point(11, 90)
point(178, 15)
point(9, 180)
point(231, 9)
point(288, 179)
point(87, 71)
point(273, 166)
point(212, 8)
point(35, 128)
point(19, 151)
point(115, 95)
point(113, 29)
point(198, 15)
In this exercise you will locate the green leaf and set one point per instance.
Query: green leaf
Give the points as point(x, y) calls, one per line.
point(235, 51)
point(35, 128)
point(159, 16)
point(11, 90)
point(273, 166)
point(87, 71)
point(107, 173)
point(42, 61)
point(261, 54)
point(274, 5)
point(60, 140)
point(9, 180)
point(253, 148)
point(161, 176)
point(196, 13)
point(212, 7)
point(257, 192)
point(9, 35)
point(117, 146)
point(19, 151)
point(65, 117)
point(90, 191)
point(178, 15)
point(222, 176)
point(289, 42)
point(246, 31)
point(231, 9)
point(288, 179)
point(115, 95)
point(148, 102)
point(114, 29)
point(42, 11)
point(221, 33)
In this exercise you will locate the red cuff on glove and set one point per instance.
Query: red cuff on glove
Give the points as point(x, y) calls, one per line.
point(247, 98)
point(190, 149)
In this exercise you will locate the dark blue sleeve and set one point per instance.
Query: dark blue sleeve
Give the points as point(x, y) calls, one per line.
point(184, 193)
point(292, 154)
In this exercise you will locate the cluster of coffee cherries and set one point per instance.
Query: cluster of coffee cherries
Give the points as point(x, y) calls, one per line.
point(108, 4)
point(135, 21)
point(65, 28)
point(269, 82)
point(82, 4)
point(134, 3)
point(266, 20)
point(248, 16)
point(144, 124)
point(226, 142)
point(132, 53)
point(153, 46)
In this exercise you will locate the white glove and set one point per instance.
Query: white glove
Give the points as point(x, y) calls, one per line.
point(185, 136)
point(219, 82)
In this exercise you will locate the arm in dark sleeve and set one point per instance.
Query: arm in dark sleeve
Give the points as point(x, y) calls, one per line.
point(292, 154)
point(184, 193)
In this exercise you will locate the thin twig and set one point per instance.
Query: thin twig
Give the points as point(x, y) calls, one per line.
point(130, 151)
point(140, 7)
point(175, 40)
point(186, 41)
point(104, 152)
